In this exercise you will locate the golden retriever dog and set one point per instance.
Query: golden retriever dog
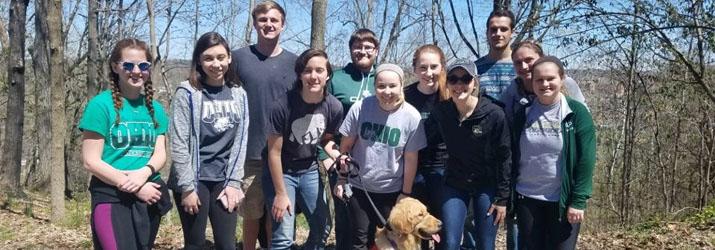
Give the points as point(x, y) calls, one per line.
point(410, 223)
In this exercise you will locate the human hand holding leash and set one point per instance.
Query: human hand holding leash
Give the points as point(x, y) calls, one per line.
point(338, 189)
point(328, 164)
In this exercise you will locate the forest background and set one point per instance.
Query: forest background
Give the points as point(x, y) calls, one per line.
point(645, 67)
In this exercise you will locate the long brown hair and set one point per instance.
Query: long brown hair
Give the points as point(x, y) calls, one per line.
point(197, 74)
point(442, 79)
point(114, 58)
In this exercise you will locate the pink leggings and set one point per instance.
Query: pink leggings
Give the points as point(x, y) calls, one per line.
point(103, 227)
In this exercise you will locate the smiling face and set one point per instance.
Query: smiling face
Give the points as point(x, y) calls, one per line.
point(547, 82)
point(524, 59)
point(315, 75)
point(388, 90)
point(269, 24)
point(214, 62)
point(460, 84)
point(428, 68)
point(499, 32)
point(134, 78)
point(363, 54)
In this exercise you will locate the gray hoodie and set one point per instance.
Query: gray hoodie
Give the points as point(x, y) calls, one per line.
point(184, 137)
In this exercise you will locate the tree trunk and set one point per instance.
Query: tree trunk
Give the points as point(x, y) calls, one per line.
point(39, 175)
point(317, 24)
point(152, 30)
point(4, 39)
point(120, 20)
point(433, 21)
point(369, 15)
point(394, 31)
point(54, 19)
point(502, 4)
point(12, 155)
point(93, 65)
point(249, 23)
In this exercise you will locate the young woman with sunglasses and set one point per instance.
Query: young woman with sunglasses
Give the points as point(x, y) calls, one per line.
point(476, 134)
point(208, 145)
point(123, 147)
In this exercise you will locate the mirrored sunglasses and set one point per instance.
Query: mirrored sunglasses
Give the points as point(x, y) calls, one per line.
point(143, 66)
point(464, 79)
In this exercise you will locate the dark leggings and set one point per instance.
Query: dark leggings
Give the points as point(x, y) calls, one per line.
point(364, 218)
point(223, 223)
point(540, 226)
point(343, 235)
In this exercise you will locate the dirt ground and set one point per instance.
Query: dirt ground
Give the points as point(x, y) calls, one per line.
point(18, 231)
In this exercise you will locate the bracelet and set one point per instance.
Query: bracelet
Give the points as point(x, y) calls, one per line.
point(153, 170)
point(405, 193)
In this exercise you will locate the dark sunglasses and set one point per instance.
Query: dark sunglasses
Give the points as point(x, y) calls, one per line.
point(464, 79)
point(129, 66)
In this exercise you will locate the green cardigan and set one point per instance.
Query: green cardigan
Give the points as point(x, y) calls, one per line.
point(579, 153)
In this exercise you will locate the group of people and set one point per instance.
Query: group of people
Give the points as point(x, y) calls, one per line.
point(253, 132)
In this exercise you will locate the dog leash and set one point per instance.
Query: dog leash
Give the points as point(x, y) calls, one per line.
point(349, 160)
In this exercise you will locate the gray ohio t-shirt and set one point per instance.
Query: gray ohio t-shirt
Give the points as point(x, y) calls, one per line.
point(540, 145)
point(219, 122)
point(265, 79)
point(381, 139)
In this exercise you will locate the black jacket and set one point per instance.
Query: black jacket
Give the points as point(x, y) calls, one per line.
point(479, 147)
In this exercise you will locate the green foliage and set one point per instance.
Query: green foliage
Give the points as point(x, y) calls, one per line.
point(6, 234)
point(28, 209)
point(652, 225)
point(77, 213)
point(704, 218)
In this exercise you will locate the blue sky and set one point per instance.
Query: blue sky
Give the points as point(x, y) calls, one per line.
point(295, 38)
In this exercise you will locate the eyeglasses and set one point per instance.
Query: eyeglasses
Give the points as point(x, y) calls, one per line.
point(143, 66)
point(464, 79)
point(367, 49)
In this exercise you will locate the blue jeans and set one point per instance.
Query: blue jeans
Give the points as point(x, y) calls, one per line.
point(512, 234)
point(454, 212)
point(309, 191)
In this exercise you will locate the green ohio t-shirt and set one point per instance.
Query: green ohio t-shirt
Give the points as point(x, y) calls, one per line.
point(129, 144)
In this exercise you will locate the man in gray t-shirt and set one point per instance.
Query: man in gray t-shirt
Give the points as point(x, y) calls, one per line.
point(266, 71)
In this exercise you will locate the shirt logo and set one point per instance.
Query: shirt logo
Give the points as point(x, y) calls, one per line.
point(380, 133)
point(308, 129)
point(477, 130)
point(222, 115)
point(138, 136)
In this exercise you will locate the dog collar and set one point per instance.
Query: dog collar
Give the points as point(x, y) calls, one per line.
point(392, 243)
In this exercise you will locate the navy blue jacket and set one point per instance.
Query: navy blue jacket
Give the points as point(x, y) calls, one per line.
point(478, 148)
